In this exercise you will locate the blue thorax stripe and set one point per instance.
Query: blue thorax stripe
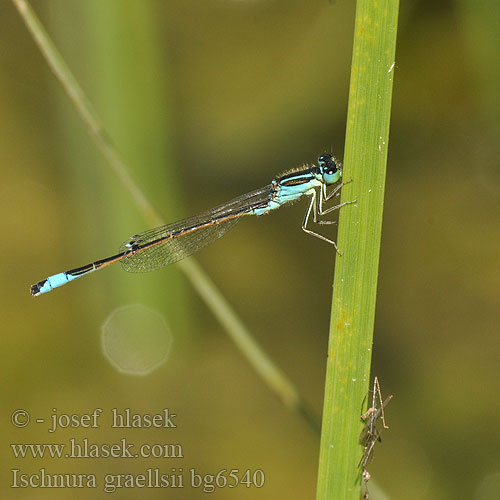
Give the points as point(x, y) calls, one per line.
point(297, 177)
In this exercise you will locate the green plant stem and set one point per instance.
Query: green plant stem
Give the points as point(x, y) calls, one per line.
point(275, 379)
point(360, 225)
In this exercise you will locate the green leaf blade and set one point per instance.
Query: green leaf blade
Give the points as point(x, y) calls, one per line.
point(360, 226)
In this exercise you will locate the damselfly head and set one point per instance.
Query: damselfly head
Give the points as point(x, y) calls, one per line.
point(331, 170)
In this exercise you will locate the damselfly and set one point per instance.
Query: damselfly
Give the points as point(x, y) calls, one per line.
point(167, 244)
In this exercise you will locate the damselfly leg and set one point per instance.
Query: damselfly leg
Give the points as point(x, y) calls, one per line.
point(316, 208)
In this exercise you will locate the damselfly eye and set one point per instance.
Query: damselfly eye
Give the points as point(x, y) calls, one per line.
point(327, 164)
point(330, 171)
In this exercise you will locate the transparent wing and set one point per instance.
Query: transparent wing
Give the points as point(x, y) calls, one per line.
point(174, 249)
point(167, 244)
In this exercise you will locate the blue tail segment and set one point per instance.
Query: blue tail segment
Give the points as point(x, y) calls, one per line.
point(61, 279)
point(52, 282)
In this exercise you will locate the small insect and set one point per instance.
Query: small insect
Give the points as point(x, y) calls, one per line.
point(371, 432)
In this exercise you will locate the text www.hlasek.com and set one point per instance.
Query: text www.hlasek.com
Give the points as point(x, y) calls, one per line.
point(85, 449)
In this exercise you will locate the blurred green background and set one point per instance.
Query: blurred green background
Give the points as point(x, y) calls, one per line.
point(206, 100)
